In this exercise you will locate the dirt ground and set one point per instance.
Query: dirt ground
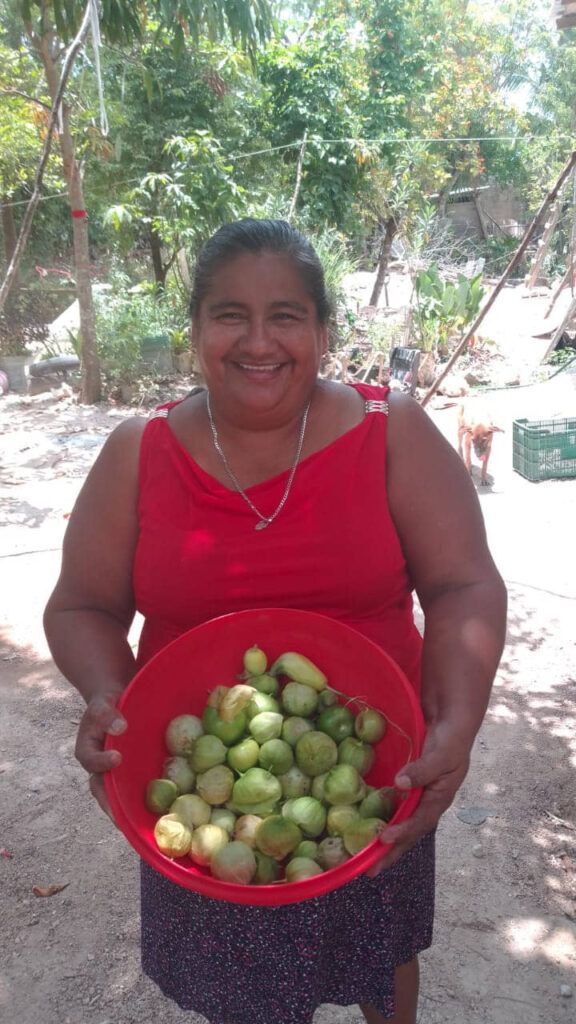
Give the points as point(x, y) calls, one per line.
point(505, 941)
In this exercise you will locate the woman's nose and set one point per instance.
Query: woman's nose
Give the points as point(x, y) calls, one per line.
point(259, 333)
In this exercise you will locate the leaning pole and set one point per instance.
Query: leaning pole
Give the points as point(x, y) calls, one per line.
point(528, 234)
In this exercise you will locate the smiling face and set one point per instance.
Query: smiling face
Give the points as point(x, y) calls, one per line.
point(258, 338)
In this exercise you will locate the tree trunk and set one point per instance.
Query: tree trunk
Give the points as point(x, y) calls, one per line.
point(184, 270)
point(390, 231)
point(10, 236)
point(156, 252)
point(91, 377)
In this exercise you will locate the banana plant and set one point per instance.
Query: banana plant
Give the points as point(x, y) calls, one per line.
point(444, 307)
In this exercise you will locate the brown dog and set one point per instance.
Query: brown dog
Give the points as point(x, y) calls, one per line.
point(476, 429)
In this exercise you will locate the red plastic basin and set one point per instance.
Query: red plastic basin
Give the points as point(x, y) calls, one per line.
point(177, 681)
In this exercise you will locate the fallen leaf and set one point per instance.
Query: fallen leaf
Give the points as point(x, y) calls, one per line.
point(6, 853)
point(48, 890)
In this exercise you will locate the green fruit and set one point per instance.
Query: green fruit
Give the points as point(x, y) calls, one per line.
point(181, 734)
point(261, 702)
point(298, 699)
point(339, 818)
point(255, 661)
point(208, 751)
point(160, 794)
point(300, 868)
point(267, 869)
point(307, 848)
point(215, 785)
point(327, 698)
point(265, 684)
point(370, 725)
point(229, 732)
point(361, 833)
point(277, 836)
point(360, 755)
point(276, 756)
point(191, 809)
point(337, 722)
point(344, 785)
point(316, 753)
point(243, 755)
point(179, 771)
point(294, 727)
point(379, 803)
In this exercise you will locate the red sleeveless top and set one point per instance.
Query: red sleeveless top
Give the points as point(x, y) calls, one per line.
point(333, 548)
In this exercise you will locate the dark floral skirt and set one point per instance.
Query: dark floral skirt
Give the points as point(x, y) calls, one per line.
point(238, 964)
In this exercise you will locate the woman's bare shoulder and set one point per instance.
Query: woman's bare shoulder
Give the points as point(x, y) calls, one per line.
point(432, 499)
point(129, 431)
point(424, 469)
point(116, 467)
point(123, 442)
point(411, 431)
point(339, 404)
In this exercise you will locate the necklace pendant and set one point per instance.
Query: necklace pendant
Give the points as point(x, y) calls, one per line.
point(264, 521)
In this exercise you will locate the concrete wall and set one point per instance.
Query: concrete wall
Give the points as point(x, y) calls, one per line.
point(498, 204)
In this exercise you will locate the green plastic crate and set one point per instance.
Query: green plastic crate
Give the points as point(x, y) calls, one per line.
point(544, 449)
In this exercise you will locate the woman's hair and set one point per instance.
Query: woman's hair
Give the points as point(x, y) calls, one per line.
point(257, 236)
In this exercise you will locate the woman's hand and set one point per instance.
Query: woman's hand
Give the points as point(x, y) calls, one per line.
point(100, 718)
point(440, 772)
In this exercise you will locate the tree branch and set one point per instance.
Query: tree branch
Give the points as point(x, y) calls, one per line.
point(299, 169)
point(30, 99)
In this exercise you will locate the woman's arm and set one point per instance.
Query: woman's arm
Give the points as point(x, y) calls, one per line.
point(439, 521)
point(89, 613)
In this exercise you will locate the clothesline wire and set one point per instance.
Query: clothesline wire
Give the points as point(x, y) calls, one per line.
point(385, 140)
point(396, 140)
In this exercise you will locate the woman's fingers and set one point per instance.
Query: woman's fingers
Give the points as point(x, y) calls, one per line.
point(406, 833)
point(100, 717)
point(440, 776)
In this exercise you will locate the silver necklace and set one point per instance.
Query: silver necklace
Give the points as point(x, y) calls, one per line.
point(263, 521)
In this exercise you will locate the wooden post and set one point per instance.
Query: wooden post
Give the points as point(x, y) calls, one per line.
point(529, 232)
point(544, 243)
point(561, 286)
point(480, 215)
point(569, 276)
point(569, 315)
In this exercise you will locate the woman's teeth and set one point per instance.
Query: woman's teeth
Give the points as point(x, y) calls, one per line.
point(261, 368)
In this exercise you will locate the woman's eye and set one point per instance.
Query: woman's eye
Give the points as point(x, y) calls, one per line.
point(230, 317)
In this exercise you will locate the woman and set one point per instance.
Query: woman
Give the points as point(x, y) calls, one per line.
point(274, 487)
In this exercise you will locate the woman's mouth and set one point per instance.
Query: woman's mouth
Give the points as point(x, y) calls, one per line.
point(263, 368)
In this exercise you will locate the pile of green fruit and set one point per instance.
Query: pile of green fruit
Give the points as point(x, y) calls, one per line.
point(269, 784)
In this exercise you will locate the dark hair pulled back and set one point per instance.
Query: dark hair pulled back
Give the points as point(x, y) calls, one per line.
point(257, 236)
